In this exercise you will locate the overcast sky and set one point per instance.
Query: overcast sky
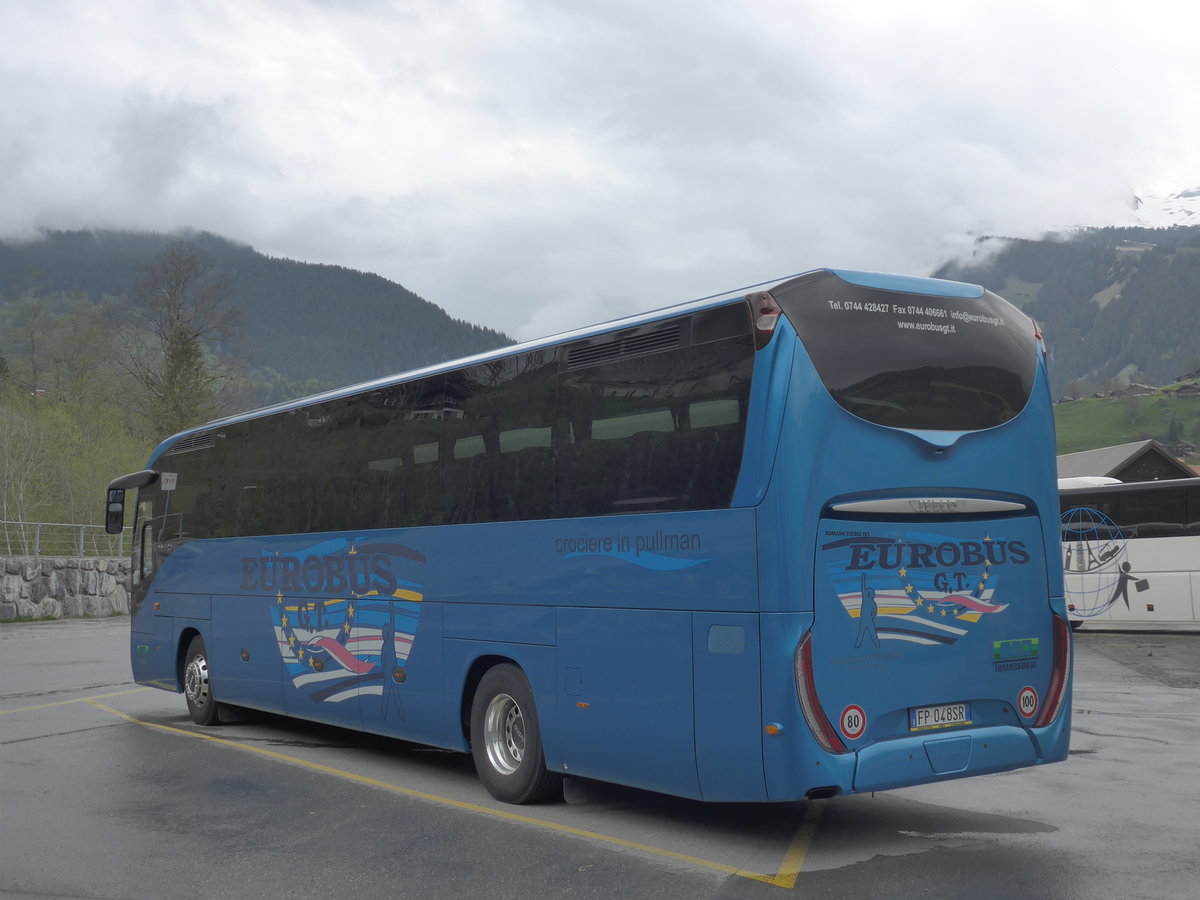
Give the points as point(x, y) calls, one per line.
point(535, 166)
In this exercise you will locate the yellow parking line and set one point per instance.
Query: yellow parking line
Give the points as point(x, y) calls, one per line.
point(786, 877)
point(5, 712)
point(793, 860)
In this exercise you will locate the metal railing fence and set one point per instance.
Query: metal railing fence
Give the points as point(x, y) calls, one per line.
point(38, 539)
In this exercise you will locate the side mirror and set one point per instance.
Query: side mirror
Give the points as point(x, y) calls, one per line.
point(114, 507)
point(114, 511)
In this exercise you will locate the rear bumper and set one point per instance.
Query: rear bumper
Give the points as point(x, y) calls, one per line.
point(907, 761)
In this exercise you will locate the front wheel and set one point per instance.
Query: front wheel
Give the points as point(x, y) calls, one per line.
point(197, 686)
point(506, 740)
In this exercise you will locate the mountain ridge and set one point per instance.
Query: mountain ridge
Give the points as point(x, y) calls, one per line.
point(1116, 303)
point(290, 308)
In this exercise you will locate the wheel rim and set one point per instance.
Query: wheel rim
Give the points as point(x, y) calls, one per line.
point(504, 734)
point(195, 680)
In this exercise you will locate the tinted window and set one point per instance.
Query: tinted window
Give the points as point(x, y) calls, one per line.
point(501, 462)
point(658, 424)
point(656, 432)
point(1145, 512)
point(912, 360)
point(1165, 510)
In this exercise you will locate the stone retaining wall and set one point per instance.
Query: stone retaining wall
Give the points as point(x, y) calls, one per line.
point(63, 587)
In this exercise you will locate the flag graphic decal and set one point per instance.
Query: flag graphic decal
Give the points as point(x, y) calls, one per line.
point(356, 644)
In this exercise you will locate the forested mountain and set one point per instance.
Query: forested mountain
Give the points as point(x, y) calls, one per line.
point(309, 323)
point(1115, 304)
point(110, 341)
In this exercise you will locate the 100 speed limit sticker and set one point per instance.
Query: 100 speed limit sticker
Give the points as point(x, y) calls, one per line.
point(1027, 702)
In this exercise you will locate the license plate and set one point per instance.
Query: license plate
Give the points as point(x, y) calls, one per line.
point(946, 715)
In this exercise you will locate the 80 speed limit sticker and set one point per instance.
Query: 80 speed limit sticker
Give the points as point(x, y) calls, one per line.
point(853, 722)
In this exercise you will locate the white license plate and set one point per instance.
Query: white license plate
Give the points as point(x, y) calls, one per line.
point(947, 715)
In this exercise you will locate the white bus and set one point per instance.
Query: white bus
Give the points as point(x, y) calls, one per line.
point(1131, 555)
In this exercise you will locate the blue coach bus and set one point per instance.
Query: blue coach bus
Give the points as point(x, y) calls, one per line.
point(789, 542)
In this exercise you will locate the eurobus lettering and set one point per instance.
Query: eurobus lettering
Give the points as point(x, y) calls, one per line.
point(339, 574)
point(893, 555)
point(792, 541)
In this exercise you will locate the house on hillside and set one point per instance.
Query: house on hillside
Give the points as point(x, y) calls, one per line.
point(1182, 449)
point(1139, 461)
point(1183, 391)
point(1134, 390)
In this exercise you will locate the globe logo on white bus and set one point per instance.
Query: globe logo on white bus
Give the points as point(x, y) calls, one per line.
point(1095, 567)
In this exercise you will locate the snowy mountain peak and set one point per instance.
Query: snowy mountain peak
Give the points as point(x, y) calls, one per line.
point(1164, 210)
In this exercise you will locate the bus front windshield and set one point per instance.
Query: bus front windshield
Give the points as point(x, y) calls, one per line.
point(914, 361)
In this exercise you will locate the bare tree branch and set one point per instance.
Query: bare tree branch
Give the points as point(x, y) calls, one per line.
point(181, 301)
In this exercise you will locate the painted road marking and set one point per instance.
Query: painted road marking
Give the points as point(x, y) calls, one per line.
point(4, 712)
point(789, 869)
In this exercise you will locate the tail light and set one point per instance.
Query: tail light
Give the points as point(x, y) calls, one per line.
point(1037, 333)
point(764, 312)
point(806, 690)
point(1056, 693)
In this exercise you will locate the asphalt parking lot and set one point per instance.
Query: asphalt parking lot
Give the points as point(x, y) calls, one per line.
point(108, 790)
point(1172, 660)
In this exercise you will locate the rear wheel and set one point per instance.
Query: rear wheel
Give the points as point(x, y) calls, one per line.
point(506, 740)
point(197, 686)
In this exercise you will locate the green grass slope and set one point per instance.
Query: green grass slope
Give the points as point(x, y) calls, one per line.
point(1088, 424)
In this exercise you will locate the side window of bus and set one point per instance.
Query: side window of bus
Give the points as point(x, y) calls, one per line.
point(146, 554)
point(500, 459)
point(144, 526)
point(1156, 513)
point(397, 472)
point(1108, 506)
point(655, 432)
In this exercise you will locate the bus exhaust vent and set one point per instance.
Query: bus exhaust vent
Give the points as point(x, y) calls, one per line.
point(202, 440)
point(587, 354)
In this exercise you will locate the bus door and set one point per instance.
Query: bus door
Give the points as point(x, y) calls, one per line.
point(246, 665)
point(930, 629)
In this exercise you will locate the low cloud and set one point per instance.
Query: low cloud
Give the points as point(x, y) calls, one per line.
point(534, 166)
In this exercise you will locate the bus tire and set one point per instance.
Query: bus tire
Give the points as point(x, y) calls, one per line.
point(506, 740)
point(197, 685)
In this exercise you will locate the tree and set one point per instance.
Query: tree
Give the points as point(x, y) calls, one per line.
point(1135, 411)
point(180, 302)
point(30, 328)
point(24, 475)
point(1077, 387)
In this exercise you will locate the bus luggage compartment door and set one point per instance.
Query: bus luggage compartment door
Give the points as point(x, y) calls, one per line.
point(726, 659)
point(626, 704)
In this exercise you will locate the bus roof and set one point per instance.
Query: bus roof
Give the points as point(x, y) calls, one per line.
point(1083, 481)
point(902, 283)
point(1126, 487)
